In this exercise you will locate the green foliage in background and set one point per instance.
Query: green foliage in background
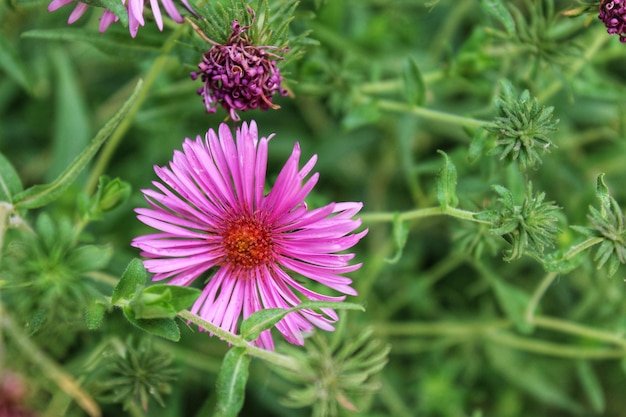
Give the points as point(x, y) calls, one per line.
point(485, 138)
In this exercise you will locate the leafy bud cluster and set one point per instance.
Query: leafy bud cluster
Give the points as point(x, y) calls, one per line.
point(45, 275)
point(529, 227)
point(132, 374)
point(334, 375)
point(608, 224)
point(521, 128)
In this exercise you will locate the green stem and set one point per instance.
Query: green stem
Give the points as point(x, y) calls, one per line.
point(421, 213)
point(579, 330)
point(395, 85)
point(549, 278)
point(575, 250)
point(440, 329)
point(575, 68)
point(433, 115)
point(537, 295)
point(110, 147)
point(49, 368)
point(554, 349)
point(236, 340)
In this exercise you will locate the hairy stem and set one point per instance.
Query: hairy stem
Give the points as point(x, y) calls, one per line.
point(420, 213)
point(49, 368)
point(236, 340)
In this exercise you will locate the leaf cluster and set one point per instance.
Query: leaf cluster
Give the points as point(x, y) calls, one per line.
point(522, 128)
point(530, 227)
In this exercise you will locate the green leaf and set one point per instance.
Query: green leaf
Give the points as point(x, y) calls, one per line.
point(41, 195)
point(262, 320)
point(446, 184)
point(10, 183)
point(180, 297)
point(602, 192)
point(479, 142)
point(361, 115)
point(111, 193)
point(94, 314)
point(591, 386)
point(530, 376)
point(231, 383)
point(14, 68)
point(134, 276)
point(71, 128)
point(400, 235)
point(513, 301)
point(162, 301)
point(498, 10)
point(163, 327)
point(414, 87)
point(336, 305)
point(119, 45)
point(90, 257)
point(117, 7)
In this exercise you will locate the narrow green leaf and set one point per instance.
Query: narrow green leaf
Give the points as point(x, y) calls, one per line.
point(71, 129)
point(446, 183)
point(135, 275)
point(163, 327)
point(41, 195)
point(400, 235)
point(361, 115)
point(414, 86)
point(335, 305)
point(262, 320)
point(591, 386)
point(10, 183)
point(479, 141)
point(498, 10)
point(513, 302)
point(94, 315)
point(14, 68)
point(231, 383)
point(119, 45)
point(602, 192)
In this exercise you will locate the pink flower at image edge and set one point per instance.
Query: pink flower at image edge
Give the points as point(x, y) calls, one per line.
point(212, 212)
point(135, 13)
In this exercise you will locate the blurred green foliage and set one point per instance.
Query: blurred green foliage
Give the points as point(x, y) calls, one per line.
point(383, 90)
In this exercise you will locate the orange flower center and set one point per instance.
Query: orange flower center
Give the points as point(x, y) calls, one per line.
point(247, 242)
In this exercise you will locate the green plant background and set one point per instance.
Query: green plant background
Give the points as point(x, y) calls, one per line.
point(452, 310)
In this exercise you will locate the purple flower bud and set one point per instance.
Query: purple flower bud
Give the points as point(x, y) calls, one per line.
point(613, 14)
point(238, 75)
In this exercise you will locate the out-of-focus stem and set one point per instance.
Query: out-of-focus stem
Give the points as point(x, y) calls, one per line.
point(49, 368)
point(420, 213)
point(429, 114)
point(111, 145)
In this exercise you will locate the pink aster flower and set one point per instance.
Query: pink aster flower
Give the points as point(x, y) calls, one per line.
point(135, 13)
point(212, 212)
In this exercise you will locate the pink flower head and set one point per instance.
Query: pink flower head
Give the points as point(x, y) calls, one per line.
point(212, 212)
point(135, 13)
